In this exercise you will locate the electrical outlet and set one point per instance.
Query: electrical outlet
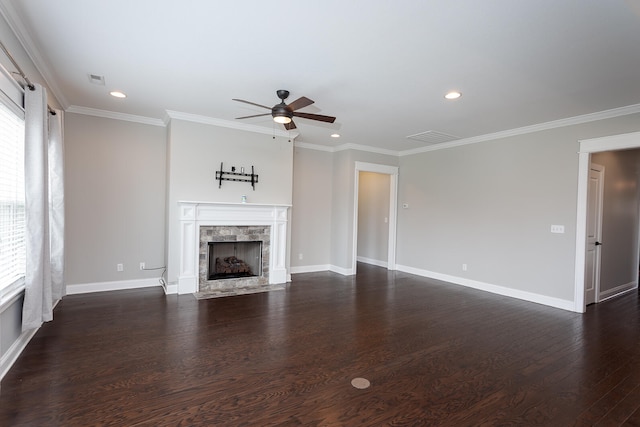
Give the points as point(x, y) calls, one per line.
point(300, 256)
point(142, 266)
point(120, 267)
point(464, 267)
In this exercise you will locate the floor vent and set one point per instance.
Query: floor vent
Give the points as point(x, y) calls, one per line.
point(433, 137)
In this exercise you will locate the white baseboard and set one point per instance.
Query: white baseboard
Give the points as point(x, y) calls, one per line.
point(617, 291)
point(322, 267)
point(10, 357)
point(342, 270)
point(495, 289)
point(372, 261)
point(111, 286)
point(309, 268)
point(171, 288)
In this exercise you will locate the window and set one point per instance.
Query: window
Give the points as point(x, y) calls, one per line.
point(12, 208)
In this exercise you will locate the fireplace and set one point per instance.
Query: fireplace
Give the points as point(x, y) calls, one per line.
point(240, 252)
point(202, 223)
point(230, 260)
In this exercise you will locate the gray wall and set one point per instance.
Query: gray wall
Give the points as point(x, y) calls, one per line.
point(373, 209)
point(115, 198)
point(194, 153)
point(619, 262)
point(311, 211)
point(490, 206)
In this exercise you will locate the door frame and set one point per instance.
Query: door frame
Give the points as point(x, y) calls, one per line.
point(588, 146)
point(392, 171)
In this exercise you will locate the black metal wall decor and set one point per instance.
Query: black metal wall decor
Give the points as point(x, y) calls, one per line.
point(223, 175)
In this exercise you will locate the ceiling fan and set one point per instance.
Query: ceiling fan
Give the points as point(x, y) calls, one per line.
point(283, 113)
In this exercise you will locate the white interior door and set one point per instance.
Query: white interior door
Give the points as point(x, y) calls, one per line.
point(594, 233)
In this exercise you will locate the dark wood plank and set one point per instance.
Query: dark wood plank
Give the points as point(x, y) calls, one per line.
point(435, 354)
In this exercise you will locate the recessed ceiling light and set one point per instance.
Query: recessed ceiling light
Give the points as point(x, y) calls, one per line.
point(453, 95)
point(335, 135)
point(117, 94)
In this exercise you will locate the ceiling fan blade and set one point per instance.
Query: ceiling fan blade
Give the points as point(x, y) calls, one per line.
point(300, 103)
point(255, 115)
point(290, 125)
point(252, 103)
point(318, 117)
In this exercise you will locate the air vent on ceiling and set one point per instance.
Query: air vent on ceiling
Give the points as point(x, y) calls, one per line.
point(433, 137)
point(96, 79)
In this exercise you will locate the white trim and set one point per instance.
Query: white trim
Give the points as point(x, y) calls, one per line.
point(9, 294)
point(588, 146)
point(617, 291)
point(495, 289)
point(171, 288)
point(586, 118)
point(310, 268)
point(314, 147)
point(85, 288)
point(114, 115)
point(12, 354)
point(349, 146)
point(392, 171)
point(228, 124)
point(371, 261)
point(367, 148)
point(623, 141)
point(342, 270)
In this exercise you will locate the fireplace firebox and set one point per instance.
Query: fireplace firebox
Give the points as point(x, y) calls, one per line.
point(234, 259)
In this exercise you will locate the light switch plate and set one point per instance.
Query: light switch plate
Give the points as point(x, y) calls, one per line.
point(559, 229)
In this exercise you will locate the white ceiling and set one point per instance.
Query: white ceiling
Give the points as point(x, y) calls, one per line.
point(381, 67)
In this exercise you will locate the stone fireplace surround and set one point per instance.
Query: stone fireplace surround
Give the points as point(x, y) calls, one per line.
point(194, 215)
point(235, 233)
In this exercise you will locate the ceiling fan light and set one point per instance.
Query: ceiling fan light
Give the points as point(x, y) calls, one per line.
point(282, 119)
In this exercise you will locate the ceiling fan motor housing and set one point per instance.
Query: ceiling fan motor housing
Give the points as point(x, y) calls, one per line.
point(282, 94)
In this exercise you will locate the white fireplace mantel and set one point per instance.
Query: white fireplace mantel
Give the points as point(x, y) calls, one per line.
point(196, 214)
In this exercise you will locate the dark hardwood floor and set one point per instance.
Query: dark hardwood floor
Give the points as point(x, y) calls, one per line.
point(435, 354)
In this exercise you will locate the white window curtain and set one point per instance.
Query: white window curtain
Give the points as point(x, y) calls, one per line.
point(44, 202)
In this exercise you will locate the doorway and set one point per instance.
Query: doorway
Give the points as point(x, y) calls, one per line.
point(373, 218)
point(392, 173)
point(587, 147)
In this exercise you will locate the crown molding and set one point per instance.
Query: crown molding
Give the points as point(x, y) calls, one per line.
point(316, 147)
point(18, 28)
point(367, 148)
point(585, 118)
point(344, 147)
point(114, 115)
point(227, 124)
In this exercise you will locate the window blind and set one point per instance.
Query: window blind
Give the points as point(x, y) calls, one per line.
point(12, 204)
